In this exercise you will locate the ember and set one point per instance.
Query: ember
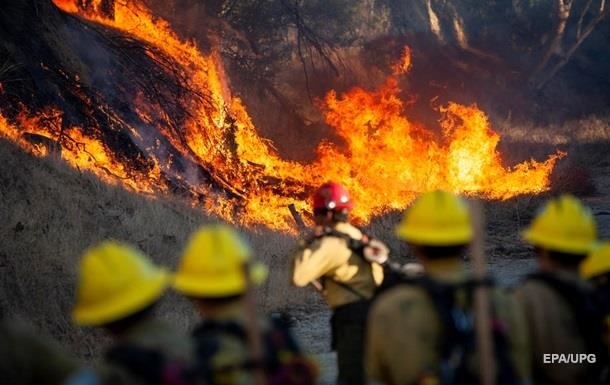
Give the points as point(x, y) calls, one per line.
point(386, 162)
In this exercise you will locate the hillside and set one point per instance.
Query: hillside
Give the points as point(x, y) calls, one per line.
point(51, 213)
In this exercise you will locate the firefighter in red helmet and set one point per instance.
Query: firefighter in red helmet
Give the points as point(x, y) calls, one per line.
point(345, 265)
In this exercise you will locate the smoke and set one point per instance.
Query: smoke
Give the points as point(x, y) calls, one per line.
point(98, 68)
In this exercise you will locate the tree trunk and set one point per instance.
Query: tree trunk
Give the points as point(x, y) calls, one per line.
point(564, 8)
point(581, 36)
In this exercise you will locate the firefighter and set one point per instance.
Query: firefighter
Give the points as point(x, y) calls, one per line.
point(420, 330)
point(233, 344)
point(596, 269)
point(118, 288)
point(557, 302)
point(344, 264)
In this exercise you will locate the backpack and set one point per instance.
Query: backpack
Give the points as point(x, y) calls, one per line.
point(590, 307)
point(283, 362)
point(357, 247)
point(458, 331)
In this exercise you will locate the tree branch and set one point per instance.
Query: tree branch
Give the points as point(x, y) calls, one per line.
point(582, 18)
point(603, 11)
point(563, 13)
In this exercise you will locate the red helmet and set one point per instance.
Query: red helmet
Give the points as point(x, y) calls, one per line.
point(331, 196)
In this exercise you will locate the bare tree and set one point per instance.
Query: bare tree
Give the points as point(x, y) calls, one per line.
point(566, 41)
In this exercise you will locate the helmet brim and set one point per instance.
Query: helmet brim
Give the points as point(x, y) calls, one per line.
point(215, 287)
point(559, 244)
point(110, 310)
point(435, 238)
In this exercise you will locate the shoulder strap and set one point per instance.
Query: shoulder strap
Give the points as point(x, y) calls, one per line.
point(347, 288)
point(356, 246)
point(281, 352)
point(442, 297)
point(207, 344)
point(458, 336)
point(454, 321)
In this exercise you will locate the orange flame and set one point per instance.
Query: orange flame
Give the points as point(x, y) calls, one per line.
point(386, 162)
point(403, 65)
point(81, 151)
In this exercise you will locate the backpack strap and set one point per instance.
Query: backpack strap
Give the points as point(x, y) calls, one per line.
point(345, 287)
point(283, 360)
point(207, 336)
point(357, 247)
point(458, 339)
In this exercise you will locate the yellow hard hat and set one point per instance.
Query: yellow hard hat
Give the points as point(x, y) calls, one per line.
point(597, 263)
point(214, 262)
point(437, 218)
point(565, 225)
point(115, 281)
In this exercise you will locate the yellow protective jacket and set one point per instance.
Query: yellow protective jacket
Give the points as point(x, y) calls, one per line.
point(330, 260)
point(404, 330)
point(552, 329)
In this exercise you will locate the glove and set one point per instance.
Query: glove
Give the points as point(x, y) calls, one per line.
point(376, 251)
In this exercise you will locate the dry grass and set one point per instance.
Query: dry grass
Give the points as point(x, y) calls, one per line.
point(51, 213)
point(585, 141)
point(591, 129)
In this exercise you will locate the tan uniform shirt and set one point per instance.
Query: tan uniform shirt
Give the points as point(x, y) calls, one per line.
point(27, 359)
point(404, 330)
point(330, 259)
point(552, 329)
point(149, 334)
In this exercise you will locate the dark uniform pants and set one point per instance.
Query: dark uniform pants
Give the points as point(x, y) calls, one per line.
point(348, 329)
